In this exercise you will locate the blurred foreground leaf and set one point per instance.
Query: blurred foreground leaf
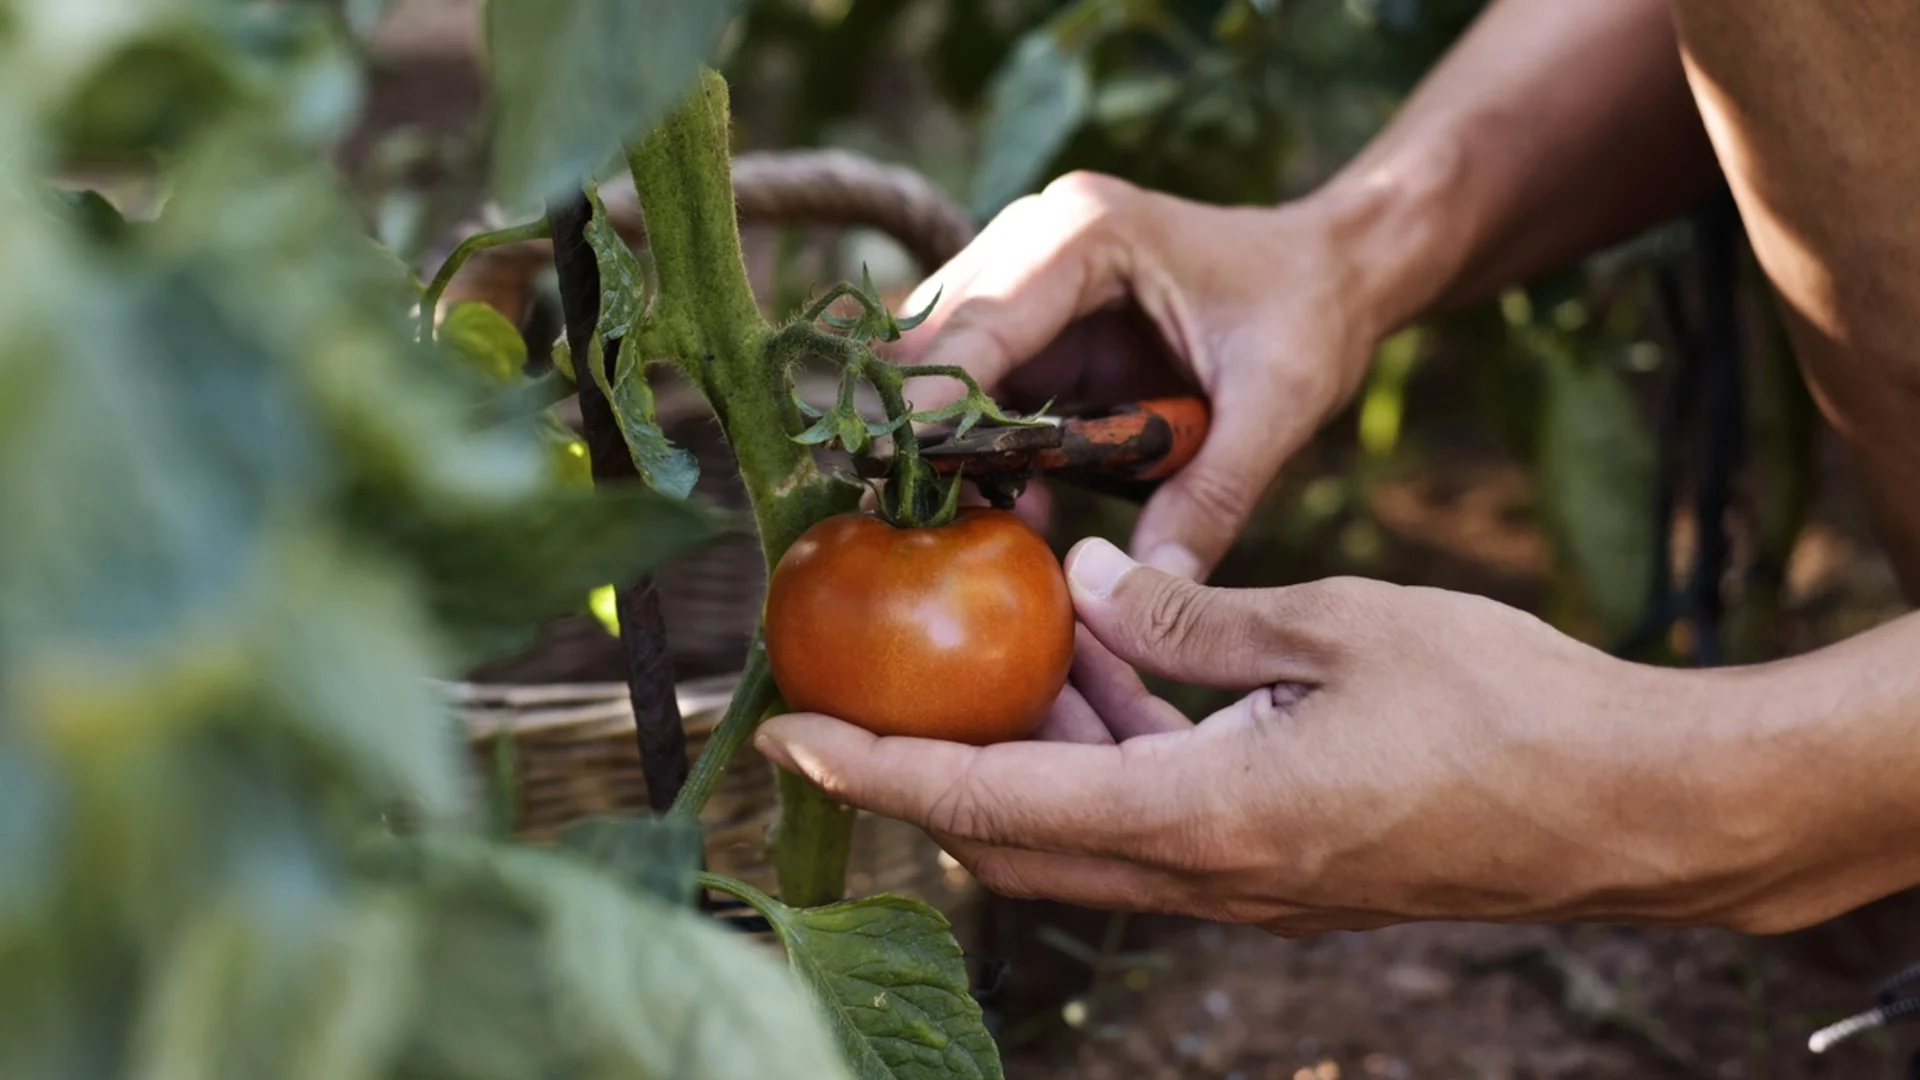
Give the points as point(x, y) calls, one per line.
point(574, 79)
point(656, 855)
point(492, 576)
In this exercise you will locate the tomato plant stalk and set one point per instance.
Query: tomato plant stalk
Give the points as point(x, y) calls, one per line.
point(704, 320)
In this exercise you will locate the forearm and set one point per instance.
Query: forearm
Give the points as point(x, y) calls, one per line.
point(1820, 757)
point(1553, 128)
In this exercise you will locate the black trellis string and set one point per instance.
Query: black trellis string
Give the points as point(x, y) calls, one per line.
point(1893, 1006)
point(1707, 388)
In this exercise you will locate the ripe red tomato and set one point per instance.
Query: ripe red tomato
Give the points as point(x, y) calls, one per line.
point(961, 632)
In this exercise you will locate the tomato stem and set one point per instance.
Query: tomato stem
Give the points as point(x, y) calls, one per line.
point(705, 320)
point(471, 246)
point(752, 699)
point(811, 844)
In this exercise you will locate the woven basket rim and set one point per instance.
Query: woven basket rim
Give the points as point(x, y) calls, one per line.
point(488, 710)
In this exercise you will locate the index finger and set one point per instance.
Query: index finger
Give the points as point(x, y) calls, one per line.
point(1029, 275)
point(1068, 798)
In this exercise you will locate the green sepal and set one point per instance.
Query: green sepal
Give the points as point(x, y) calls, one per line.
point(913, 321)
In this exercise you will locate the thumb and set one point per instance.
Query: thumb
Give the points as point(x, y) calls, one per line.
point(1176, 629)
point(1190, 522)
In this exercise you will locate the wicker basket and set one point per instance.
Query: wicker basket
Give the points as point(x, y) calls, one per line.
point(574, 757)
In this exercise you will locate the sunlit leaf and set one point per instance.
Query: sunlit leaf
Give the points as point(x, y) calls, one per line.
point(486, 339)
point(574, 79)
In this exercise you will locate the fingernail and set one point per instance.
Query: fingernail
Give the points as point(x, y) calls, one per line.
point(1175, 559)
point(1097, 568)
point(775, 751)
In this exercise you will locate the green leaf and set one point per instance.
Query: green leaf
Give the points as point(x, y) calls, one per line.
point(666, 468)
point(892, 980)
point(850, 430)
point(384, 723)
point(527, 399)
point(542, 966)
point(912, 321)
point(622, 281)
point(1129, 99)
point(1038, 100)
point(1595, 477)
point(33, 826)
point(658, 856)
point(98, 216)
point(573, 80)
point(491, 576)
point(363, 16)
point(562, 356)
point(824, 431)
point(485, 339)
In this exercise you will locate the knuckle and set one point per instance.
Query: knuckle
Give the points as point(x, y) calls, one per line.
point(1199, 843)
point(957, 812)
point(1174, 614)
point(1218, 497)
point(998, 874)
point(1023, 209)
point(1344, 607)
point(1082, 185)
point(964, 810)
point(1192, 852)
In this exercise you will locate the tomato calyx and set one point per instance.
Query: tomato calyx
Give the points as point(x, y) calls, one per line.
point(914, 496)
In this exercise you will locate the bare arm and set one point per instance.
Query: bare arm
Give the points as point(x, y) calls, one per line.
point(1553, 128)
point(1825, 749)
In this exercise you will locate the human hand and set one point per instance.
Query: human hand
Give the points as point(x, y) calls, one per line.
point(1402, 754)
point(1096, 292)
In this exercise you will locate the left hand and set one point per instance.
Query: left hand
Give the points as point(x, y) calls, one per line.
point(1403, 754)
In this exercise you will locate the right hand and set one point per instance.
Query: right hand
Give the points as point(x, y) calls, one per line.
point(1096, 292)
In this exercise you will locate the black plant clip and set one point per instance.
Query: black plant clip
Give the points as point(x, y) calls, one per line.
point(1895, 1002)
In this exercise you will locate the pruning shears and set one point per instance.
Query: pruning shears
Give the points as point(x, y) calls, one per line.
point(1124, 451)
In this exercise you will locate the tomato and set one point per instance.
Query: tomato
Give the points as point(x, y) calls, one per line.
point(961, 632)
